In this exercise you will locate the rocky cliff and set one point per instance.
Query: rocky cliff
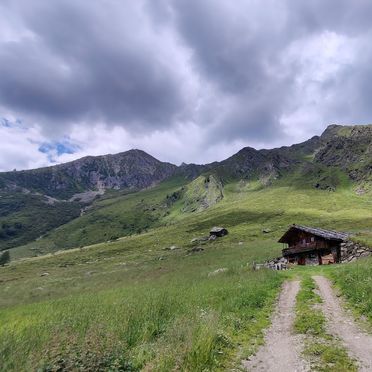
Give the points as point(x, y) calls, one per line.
point(132, 169)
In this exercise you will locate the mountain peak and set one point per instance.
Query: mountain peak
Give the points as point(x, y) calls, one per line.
point(338, 130)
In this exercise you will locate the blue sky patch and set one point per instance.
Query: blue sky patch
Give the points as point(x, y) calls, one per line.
point(58, 148)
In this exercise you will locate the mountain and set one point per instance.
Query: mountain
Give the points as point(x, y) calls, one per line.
point(97, 198)
point(132, 169)
point(350, 149)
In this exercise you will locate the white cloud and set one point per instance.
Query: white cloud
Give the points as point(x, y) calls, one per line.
point(19, 148)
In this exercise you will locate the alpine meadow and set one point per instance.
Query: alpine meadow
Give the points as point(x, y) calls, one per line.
point(185, 186)
point(131, 284)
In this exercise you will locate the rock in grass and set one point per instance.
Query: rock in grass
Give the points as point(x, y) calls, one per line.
point(195, 250)
point(44, 274)
point(218, 271)
point(199, 240)
point(171, 248)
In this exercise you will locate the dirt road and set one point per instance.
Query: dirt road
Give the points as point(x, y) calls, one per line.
point(282, 349)
point(342, 325)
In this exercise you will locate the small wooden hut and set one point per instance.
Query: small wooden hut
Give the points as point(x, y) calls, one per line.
point(218, 232)
point(312, 246)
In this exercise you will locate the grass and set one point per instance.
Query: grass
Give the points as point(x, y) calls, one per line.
point(308, 320)
point(134, 304)
point(196, 323)
point(246, 210)
point(25, 217)
point(326, 353)
point(355, 283)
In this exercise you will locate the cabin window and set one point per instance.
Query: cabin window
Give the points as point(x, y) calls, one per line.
point(312, 239)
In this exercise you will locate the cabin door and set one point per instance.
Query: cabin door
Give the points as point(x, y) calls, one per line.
point(302, 261)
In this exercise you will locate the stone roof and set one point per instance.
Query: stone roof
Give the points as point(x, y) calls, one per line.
point(217, 229)
point(326, 234)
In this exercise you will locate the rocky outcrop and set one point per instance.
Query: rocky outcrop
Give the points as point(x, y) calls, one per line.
point(133, 169)
point(349, 148)
point(202, 193)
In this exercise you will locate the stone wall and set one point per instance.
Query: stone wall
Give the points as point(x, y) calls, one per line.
point(280, 263)
point(351, 251)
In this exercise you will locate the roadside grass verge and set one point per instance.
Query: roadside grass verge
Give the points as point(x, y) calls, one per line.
point(325, 352)
point(195, 325)
point(307, 320)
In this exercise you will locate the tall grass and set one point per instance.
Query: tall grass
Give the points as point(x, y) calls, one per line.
point(194, 326)
point(355, 282)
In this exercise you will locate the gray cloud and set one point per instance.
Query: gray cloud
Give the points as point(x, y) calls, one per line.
point(80, 66)
point(247, 71)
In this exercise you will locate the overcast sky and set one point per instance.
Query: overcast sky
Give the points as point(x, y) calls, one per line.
point(185, 80)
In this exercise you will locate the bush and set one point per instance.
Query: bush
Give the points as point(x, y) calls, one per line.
point(4, 258)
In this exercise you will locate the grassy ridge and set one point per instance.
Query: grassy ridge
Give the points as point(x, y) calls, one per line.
point(246, 208)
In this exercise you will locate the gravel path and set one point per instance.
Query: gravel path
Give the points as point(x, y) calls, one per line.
point(341, 324)
point(281, 351)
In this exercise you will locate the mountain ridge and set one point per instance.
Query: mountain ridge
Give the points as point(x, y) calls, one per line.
point(136, 169)
point(95, 199)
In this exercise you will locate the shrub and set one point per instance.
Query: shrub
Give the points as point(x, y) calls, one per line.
point(4, 258)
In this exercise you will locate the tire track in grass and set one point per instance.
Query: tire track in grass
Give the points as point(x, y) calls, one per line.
point(324, 352)
point(342, 325)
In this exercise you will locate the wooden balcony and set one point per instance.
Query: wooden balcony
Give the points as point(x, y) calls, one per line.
point(305, 247)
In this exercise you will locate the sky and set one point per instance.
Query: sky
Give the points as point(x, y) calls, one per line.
point(184, 80)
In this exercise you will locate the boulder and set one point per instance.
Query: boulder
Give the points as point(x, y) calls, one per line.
point(218, 271)
point(218, 231)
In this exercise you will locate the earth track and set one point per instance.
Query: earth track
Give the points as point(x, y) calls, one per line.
point(281, 351)
point(341, 324)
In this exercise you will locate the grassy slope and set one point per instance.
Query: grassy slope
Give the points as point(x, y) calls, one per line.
point(25, 216)
point(120, 299)
point(114, 215)
point(129, 300)
point(246, 207)
point(355, 282)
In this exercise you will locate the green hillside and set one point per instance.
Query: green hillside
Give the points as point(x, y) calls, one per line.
point(148, 301)
point(25, 217)
point(104, 190)
point(151, 295)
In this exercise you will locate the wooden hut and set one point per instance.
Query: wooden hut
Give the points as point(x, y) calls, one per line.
point(218, 232)
point(312, 246)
